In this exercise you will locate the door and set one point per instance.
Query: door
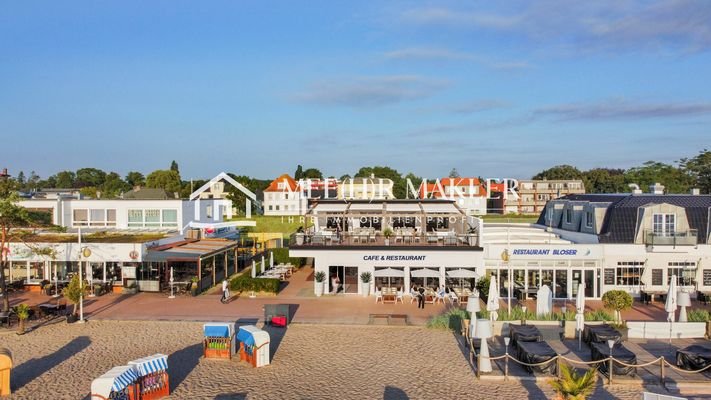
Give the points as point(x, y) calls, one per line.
point(587, 276)
point(350, 280)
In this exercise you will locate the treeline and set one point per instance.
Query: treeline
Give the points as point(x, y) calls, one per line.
point(679, 177)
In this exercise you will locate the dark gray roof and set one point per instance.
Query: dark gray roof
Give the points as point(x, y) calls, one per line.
point(621, 216)
point(148, 194)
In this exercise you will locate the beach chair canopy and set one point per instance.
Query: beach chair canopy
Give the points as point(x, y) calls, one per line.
point(113, 381)
point(150, 364)
point(218, 329)
point(250, 335)
point(5, 358)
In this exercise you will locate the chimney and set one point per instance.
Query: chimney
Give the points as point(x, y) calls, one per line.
point(695, 191)
point(657, 188)
point(635, 188)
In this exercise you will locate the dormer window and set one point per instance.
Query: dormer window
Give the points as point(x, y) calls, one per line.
point(280, 185)
point(664, 224)
point(568, 216)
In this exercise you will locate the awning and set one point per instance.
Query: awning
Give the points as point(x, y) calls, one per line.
point(250, 335)
point(218, 329)
point(424, 273)
point(117, 379)
point(389, 272)
point(151, 364)
point(462, 273)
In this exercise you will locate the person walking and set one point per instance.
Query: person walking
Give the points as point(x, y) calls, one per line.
point(421, 297)
point(225, 292)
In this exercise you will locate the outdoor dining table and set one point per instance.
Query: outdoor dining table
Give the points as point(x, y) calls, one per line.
point(389, 295)
point(430, 296)
point(463, 295)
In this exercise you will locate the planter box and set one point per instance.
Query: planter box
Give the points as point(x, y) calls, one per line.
point(126, 290)
point(569, 331)
point(662, 330)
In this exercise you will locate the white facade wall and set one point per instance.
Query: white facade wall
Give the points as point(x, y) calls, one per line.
point(285, 203)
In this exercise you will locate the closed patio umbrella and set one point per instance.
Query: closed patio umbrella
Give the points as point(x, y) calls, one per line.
point(580, 312)
point(492, 304)
point(670, 305)
point(254, 269)
point(544, 300)
point(271, 259)
point(263, 267)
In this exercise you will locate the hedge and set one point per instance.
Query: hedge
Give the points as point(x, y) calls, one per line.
point(281, 256)
point(245, 283)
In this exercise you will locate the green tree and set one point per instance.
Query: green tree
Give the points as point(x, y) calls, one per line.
point(32, 181)
point(573, 386)
point(415, 180)
point(699, 169)
point(164, 179)
point(299, 174)
point(113, 186)
point(344, 177)
point(12, 216)
point(454, 173)
point(174, 167)
point(399, 185)
point(21, 179)
point(89, 177)
point(64, 179)
point(674, 179)
point(89, 191)
point(605, 180)
point(73, 292)
point(312, 173)
point(560, 172)
point(135, 178)
point(617, 300)
point(238, 198)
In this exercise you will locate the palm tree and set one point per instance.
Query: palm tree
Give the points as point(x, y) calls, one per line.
point(573, 386)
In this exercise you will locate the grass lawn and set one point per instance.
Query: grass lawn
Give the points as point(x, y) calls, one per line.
point(274, 224)
point(511, 218)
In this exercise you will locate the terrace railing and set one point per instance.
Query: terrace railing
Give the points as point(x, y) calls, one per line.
point(679, 238)
point(318, 239)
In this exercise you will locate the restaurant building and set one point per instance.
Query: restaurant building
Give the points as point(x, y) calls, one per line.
point(409, 241)
point(633, 242)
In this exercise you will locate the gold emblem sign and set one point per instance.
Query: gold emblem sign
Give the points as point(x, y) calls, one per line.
point(505, 255)
point(86, 252)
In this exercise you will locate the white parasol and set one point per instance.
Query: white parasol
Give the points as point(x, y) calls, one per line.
point(492, 304)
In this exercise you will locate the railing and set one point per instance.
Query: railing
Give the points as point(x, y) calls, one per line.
point(609, 363)
point(377, 239)
point(681, 238)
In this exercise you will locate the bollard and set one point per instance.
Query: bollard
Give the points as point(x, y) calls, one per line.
point(557, 361)
point(506, 367)
point(661, 375)
point(609, 382)
point(478, 365)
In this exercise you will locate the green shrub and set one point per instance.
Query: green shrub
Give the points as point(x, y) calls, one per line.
point(450, 320)
point(516, 314)
point(598, 315)
point(617, 300)
point(281, 256)
point(699, 316)
point(366, 277)
point(482, 285)
point(244, 283)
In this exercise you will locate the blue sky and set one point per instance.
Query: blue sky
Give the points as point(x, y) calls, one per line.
point(495, 90)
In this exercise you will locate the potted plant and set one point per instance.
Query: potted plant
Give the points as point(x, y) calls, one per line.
point(573, 386)
point(617, 300)
point(23, 312)
point(365, 279)
point(320, 278)
point(73, 294)
point(471, 237)
point(300, 236)
point(194, 286)
point(387, 233)
point(131, 288)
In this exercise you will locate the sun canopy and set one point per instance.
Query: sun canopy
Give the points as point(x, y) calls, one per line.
point(113, 381)
point(389, 272)
point(462, 273)
point(250, 335)
point(218, 329)
point(150, 364)
point(424, 273)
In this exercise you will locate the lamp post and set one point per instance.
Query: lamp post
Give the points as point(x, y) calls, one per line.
point(683, 300)
point(523, 316)
point(172, 295)
point(610, 344)
point(506, 363)
point(81, 279)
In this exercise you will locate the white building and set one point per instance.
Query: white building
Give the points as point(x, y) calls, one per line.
point(284, 196)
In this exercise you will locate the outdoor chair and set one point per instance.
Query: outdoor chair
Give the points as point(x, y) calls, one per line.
point(398, 296)
point(413, 295)
point(453, 298)
point(378, 295)
point(438, 298)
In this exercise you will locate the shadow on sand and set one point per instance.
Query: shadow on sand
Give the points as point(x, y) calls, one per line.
point(187, 358)
point(231, 396)
point(393, 393)
point(35, 367)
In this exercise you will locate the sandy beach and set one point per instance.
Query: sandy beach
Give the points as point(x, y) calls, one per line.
point(59, 361)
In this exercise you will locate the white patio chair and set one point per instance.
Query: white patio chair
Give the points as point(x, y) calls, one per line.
point(453, 298)
point(438, 298)
point(413, 295)
point(398, 296)
point(378, 295)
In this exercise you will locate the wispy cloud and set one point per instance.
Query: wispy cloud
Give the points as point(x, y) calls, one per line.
point(367, 92)
point(624, 110)
point(683, 25)
point(476, 106)
point(444, 54)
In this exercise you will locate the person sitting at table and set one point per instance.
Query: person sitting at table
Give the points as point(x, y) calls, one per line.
point(335, 282)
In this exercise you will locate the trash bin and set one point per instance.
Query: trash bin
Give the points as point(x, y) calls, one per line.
point(119, 382)
point(219, 340)
point(5, 368)
point(253, 345)
point(153, 382)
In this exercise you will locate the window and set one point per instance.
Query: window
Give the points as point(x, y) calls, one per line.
point(152, 218)
point(568, 216)
point(81, 217)
point(135, 218)
point(664, 224)
point(277, 207)
point(208, 211)
point(111, 217)
point(589, 219)
point(270, 208)
point(685, 273)
point(629, 272)
point(170, 218)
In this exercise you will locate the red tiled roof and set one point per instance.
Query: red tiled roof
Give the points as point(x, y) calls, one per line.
point(434, 191)
point(274, 186)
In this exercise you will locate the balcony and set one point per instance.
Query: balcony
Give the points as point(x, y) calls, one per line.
point(681, 238)
point(348, 239)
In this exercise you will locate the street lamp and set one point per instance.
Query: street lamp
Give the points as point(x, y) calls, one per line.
point(610, 344)
point(506, 363)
